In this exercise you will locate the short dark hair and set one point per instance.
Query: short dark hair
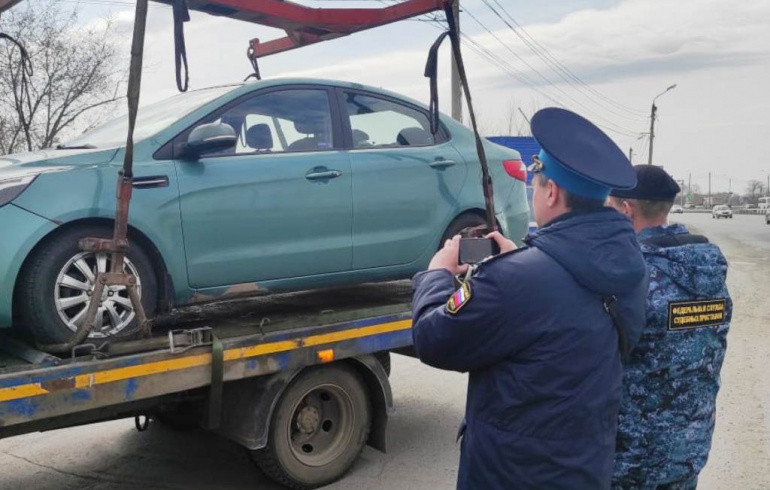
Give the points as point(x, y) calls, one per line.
point(575, 203)
point(654, 210)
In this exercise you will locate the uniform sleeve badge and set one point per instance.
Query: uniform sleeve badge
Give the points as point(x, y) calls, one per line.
point(459, 299)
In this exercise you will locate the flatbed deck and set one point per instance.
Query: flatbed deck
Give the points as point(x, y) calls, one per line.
point(260, 336)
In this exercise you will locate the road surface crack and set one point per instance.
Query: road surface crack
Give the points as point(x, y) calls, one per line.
point(94, 479)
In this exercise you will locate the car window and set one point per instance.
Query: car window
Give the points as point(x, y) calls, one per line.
point(279, 121)
point(150, 119)
point(377, 122)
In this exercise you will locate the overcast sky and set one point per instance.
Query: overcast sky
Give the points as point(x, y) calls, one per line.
point(623, 52)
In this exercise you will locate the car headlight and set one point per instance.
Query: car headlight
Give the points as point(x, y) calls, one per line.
point(10, 189)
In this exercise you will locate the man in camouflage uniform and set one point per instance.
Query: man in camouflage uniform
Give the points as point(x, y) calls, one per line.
point(667, 413)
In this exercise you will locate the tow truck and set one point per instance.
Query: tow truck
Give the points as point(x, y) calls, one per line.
point(299, 379)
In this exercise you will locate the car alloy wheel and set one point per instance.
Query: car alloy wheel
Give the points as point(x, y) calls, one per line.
point(73, 294)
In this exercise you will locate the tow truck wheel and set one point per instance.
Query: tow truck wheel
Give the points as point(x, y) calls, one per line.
point(318, 429)
point(54, 289)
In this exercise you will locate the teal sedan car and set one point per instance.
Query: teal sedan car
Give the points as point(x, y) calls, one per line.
point(276, 185)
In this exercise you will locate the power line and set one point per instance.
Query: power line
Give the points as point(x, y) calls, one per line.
point(550, 59)
point(512, 72)
point(620, 129)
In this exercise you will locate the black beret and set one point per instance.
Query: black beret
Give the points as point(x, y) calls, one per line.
point(653, 184)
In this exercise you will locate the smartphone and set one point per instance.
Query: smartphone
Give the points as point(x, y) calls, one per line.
point(474, 250)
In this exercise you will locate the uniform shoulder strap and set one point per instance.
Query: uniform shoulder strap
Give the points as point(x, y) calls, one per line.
point(624, 346)
point(666, 241)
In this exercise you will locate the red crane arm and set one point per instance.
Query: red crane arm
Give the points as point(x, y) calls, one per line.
point(303, 25)
point(308, 25)
point(6, 4)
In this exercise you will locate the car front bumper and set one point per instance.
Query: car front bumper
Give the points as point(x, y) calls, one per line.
point(21, 230)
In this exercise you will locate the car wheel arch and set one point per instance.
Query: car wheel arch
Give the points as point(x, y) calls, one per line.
point(481, 213)
point(165, 283)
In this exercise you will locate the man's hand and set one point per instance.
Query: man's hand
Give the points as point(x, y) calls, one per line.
point(447, 257)
point(502, 242)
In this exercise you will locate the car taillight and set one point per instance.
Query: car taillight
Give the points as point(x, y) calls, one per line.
point(516, 169)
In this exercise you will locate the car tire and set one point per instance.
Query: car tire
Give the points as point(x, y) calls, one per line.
point(303, 461)
point(467, 220)
point(42, 296)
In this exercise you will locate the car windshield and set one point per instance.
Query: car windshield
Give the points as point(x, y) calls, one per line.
point(149, 120)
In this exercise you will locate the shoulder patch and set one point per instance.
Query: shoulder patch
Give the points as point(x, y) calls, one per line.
point(684, 315)
point(459, 299)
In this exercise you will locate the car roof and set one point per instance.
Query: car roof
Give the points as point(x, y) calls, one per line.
point(252, 85)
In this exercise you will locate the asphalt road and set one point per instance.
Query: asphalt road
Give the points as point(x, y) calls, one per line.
point(429, 405)
point(740, 454)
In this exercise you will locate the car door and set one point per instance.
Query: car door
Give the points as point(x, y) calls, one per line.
point(405, 180)
point(276, 206)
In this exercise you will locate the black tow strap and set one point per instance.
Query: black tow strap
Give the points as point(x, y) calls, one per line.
point(251, 53)
point(26, 63)
point(181, 15)
point(26, 68)
point(611, 307)
point(217, 383)
point(431, 72)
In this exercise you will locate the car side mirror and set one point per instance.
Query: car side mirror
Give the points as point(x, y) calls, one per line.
point(209, 137)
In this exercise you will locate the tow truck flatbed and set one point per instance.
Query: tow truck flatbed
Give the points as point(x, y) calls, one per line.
point(266, 343)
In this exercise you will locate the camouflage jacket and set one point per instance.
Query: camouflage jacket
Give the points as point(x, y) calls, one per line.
point(671, 381)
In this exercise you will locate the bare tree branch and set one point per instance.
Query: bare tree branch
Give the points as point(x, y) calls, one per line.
point(77, 72)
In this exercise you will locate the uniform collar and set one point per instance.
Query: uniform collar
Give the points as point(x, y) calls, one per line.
point(656, 231)
point(554, 224)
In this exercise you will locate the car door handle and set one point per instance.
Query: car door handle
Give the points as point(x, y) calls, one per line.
point(442, 163)
point(150, 182)
point(325, 174)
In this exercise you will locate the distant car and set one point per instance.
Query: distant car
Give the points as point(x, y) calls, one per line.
point(677, 209)
point(721, 211)
point(689, 205)
point(276, 185)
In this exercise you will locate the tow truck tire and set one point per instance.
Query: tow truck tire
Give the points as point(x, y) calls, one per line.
point(38, 289)
point(318, 428)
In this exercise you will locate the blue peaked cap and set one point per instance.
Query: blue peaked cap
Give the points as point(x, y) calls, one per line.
point(579, 156)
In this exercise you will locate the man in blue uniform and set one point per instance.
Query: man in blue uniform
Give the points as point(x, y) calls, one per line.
point(531, 326)
point(670, 386)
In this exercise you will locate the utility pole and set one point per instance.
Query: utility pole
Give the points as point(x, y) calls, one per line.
point(652, 131)
point(631, 155)
point(689, 189)
point(652, 121)
point(710, 203)
point(457, 90)
point(524, 115)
